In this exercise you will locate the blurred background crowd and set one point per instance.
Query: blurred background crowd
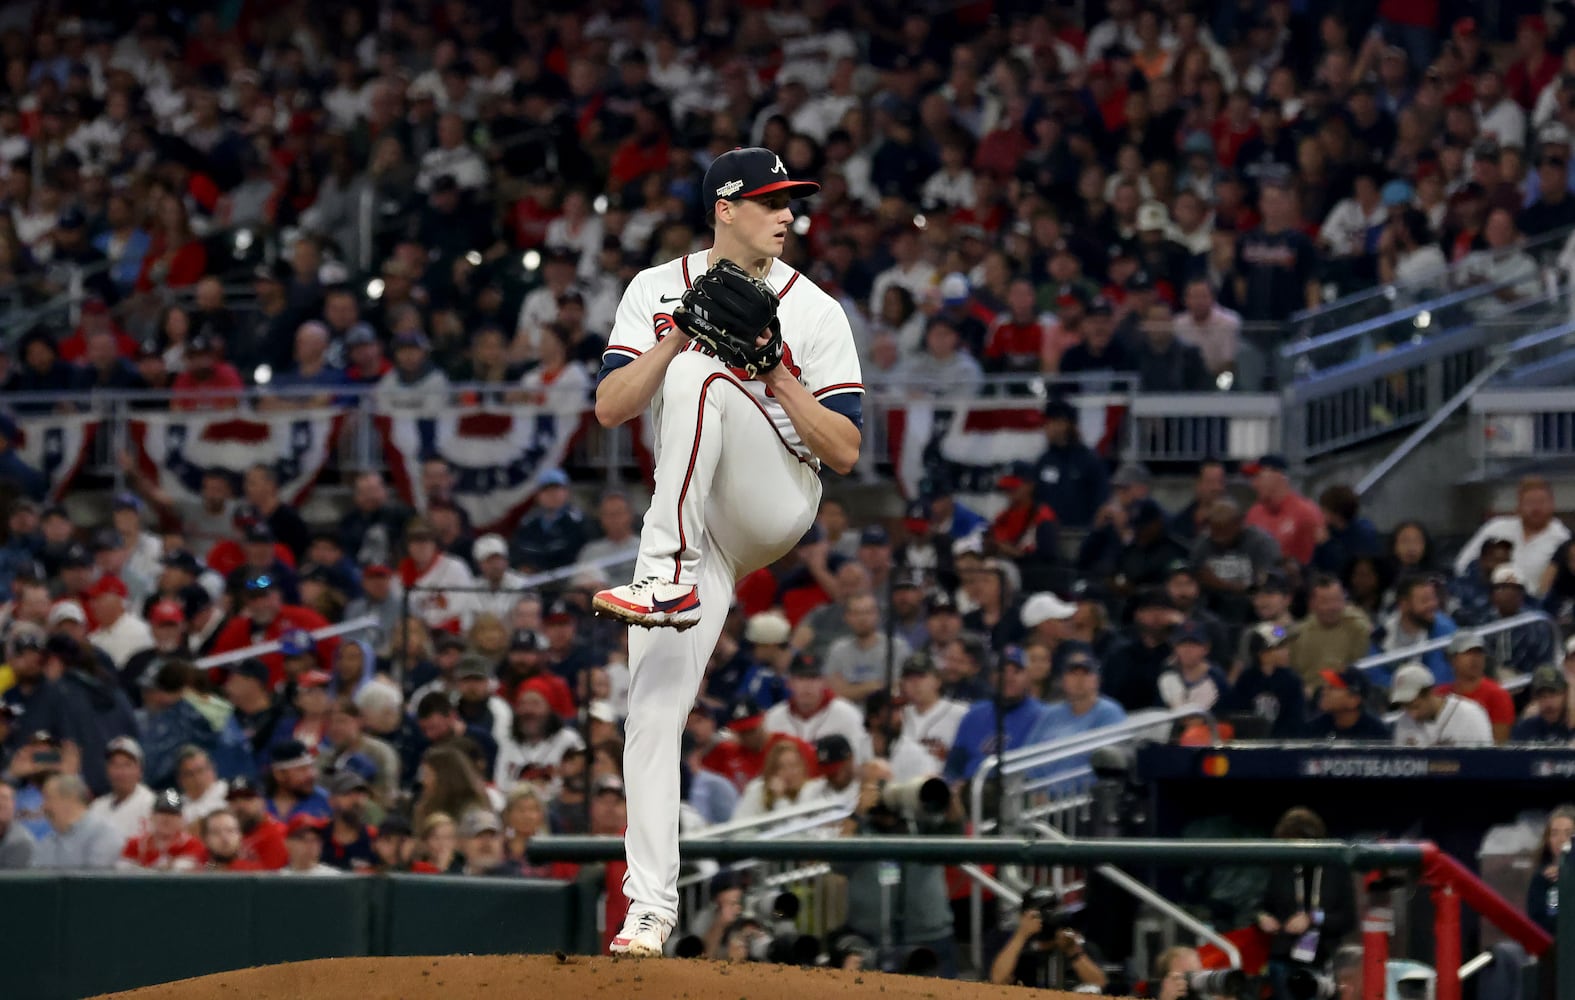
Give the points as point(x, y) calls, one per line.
point(418, 195)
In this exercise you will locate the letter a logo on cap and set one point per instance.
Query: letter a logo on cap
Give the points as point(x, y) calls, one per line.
point(779, 168)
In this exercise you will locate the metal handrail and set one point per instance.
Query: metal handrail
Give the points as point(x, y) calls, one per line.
point(764, 825)
point(1142, 892)
point(1296, 349)
point(1391, 290)
point(1493, 628)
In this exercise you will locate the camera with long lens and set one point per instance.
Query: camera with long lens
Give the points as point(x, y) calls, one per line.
point(1053, 915)
point(1217, 983)
point(920, 799)
point(781, 943)
point(1309, 984)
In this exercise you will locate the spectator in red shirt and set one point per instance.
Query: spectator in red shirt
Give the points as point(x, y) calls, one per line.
point(1468, 657)
point(198, 386)
point(221, 838)
point(95, 316)
point(166, 847)
point(1534, 67)
point(1017, 339)
point(176, 257)
point(264, 619)
point(1288, 517)
point(262, 836)
point(1025, 526)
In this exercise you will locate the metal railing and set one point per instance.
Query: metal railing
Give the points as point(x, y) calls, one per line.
point(1512, 427)
point(1330, 323)
point(1526, 619)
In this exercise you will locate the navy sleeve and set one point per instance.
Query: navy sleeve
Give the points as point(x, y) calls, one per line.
point(849, 404)
point(611, 362)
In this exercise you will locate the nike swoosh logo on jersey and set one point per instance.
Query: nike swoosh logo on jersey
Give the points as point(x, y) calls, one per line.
point(670, 298)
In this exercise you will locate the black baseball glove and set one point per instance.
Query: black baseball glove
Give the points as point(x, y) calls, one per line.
point(727, 310)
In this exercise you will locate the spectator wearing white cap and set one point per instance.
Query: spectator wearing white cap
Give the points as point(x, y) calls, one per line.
point(129, 802)
point(1520, 650)
point(1468, 657)
point(504, 587)
point(765, 683)
point(1431, 718)
point(1047, 618)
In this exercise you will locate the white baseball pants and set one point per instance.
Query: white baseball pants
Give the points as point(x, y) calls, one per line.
point(730, 498)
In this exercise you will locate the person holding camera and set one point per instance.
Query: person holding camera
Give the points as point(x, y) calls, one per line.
point(1307, 909)
point(1045, 952)
point(902, 907)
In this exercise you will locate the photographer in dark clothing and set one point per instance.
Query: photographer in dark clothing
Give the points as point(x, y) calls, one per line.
point(1044, 951)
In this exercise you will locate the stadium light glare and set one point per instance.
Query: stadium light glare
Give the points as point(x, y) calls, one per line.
point(599, 205)
point(1424, 319)
point(473, 258)
point(531, 261)
point(374, 288)
point(801, 225)
point(920, 221)
point(1225, 381)
point(263, 375)
point(244, 239)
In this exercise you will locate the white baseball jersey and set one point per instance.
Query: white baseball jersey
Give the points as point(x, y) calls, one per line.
point(818, 342)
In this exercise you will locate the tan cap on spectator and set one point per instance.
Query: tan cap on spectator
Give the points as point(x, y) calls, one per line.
point(769, 628)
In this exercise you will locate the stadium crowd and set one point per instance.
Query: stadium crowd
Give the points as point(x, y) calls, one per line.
point(421, 195)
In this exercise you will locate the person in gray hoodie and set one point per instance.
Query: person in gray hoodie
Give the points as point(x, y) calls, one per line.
point(942, 368)
point(415, 382)
point(16, 844)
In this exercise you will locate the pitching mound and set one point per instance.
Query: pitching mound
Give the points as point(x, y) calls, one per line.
point(496, 976)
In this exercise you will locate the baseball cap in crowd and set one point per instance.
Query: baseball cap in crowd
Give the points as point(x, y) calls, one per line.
point(1151, 597)
point(412, 338)
point(76, 556)
point(126, 500)
point(194, 599)
point(242, 787)
point(346, 783)
point(874, 535)
point(1272, 583)
point(200, 344)
point(1079, 656)
point(314, 679)
point(1190, 631)
point(560, 611)
point(360, 334)
point(67, 610)
point(552, 477)
point(108, 585)
point(833, 748)
point(297, 642)
point(106, 540)
point(1410, 682)
point(524, 639)
point(168, 802)
point(167, 613)
point(769, 628)
point(126, 745)
point(601, 710)
point(1060, 409)
point(473, 666)
point(488, 546)
point(750, 173)
point(746, 716)
point(1146, 511)
point(1045, 607)
point(918, 664)
point(258, 533)
point(253, 668)
point(182, 560)
point(30, 639)
point(1548, 678)
point(954, 289)
point(941, 603)
point(1508, 576)
point(1179, 567)
point(448, 642)
point(1013, 655)
point(1132, 474)
point(912, 579)
point(394, 825)
point(290, 753)
point(303, 824)
point(1350, 679)
point(804, 665)
point(480, 821)
point(259, 584)
point(1268, 635)
point(1101, 306)
point(376, 571)
point(1152, 215)
point(279, 272)
point(1466, 641)
point(1268, 463)
point(609, 783)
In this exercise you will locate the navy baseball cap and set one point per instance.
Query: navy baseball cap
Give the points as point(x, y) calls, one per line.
point(1190, 631)
point(751, 173)
point(1079, 656)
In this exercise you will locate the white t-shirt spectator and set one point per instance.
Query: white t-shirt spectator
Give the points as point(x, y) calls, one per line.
point(752, 803)
point(1417, 267)
point(938, 724)
point(462, 163)
point(1511, 267)
point(1344, 231)
point(1505, 121)
point(516, 757)
point(918, 278)
point(129, 815)
point(1460, 723)
point(837, 716)
point(1217, 337)
point(584, 237)
point(948, 191)
point(1532, 555)
point(212, 800)
point(126, 638)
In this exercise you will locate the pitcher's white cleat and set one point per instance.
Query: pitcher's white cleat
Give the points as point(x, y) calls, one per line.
point(651, 602)
point(643, 935)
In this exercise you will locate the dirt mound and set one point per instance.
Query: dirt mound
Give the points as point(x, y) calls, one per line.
point(573, 976)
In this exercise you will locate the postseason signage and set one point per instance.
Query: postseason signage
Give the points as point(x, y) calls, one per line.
point(1357, 762)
